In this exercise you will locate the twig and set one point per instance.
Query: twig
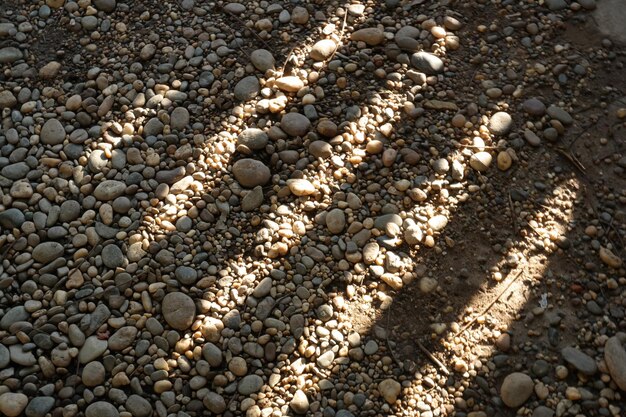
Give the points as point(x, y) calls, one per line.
point(491, 304)
point(432, 358)
point(393, 355)
point(572, 159)
point(513, 220)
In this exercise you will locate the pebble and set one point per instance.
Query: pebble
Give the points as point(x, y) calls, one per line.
point(323, 49)
point(579, 360)
point(93, 374)
point(390, 390)
point(371, 36)
point(301, 187)
point(335, 221)
point(138, 406)
point(12, 404)
point(101, 409)
point(615, 358)
point(262, 59)
point(299, 403)
point(295, 124)
point(52, 132)
point(500, 123)
point(516, 389)
point(250, 384)
point(253, 138)
point(247, 88)
point(534, 107)
point(481, 161)
point(427, 63)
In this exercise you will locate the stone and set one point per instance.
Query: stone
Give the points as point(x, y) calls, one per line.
point(112, 256)
point(504, 160)
point(105, 5)
point(390, 390)
point(47, 251)
point(178, 310)
point(93, 374)
point(556, 5)
point(253, 199)
point(262, 59)
point(14, 314)
point(300, 15)
point(186, 275)
point(371, 36)
point(179, 119)
point(532, 138)
point(322, 50)
point(500, 123)
point(212, 354)
point(321, 149)
point(12, 218)
point(247, 88)
point(250, 172)
point(615, 358)
point(52, 132)
point(15, 171)
point(109, 190)
point(21, 356)
point(39, 406)
point(5, 357)
point(9, 55)
point(299, 403)
point(301, 187)
point(438, 222)
point(534, 107)
point(250, 384)
point(138, 406)
point(253, 138)
point(122, 338)
point(336, 221)
point(427, 63)
point(101, 409)
point(290, 84)
point(295, 124)
point(579, 360)
point(12, 404)
point(50, 70)
point(516, 389)
point(609, 258)
point(7, 99)
point(92, 349)
point(481, 161)
point(214, 402)
point(560, 115)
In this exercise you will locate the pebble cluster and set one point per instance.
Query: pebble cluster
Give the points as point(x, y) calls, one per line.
point(196, 196)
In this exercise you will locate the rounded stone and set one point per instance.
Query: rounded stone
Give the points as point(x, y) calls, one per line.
point(247, 88)
point(390, 389)
point(371, 36)
point(481, 161)
point(101, 409)
point(112, 256)
point(426, 62)
point(301, 187)
point(93, 374)
point(516, 389)
point(262, 59)
point(138, 406)
point(250, 384)
point(186, 275)
point(322, 50)
point(295, 124)
point(47, 251)
point(12, 404)
point(299, 403)
point(336, 221)
point(250, 172)
point(52, 132)
point(500, 123)
point(253, 138)
point(178, 310)
point(534, 107)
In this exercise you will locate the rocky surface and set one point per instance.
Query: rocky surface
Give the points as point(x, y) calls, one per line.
point(312, 208)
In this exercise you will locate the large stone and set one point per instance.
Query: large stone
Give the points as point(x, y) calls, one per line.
point(262, 59)
point(14, 314)
point(253, 138)
point(109, 190)
point(138, 406)
point(39, 406)
point(93, 374)
point(500, 123)
point(105, 5)
point(322, 50)
point(101, 409)
point(336, 221)
point(250, 172)
point(52, 132)
point(112, 256)
point(427, 63)
point(179, 118)
point(247, 88)
point(12, 218)
point(299, 403)
point(250, 384)
point(178, 310)
point(47, 251)
point(295, 124)
point(122, 338)
point(615, 358)
point(290, 84)
point(214, 402)
point(371, 36)
point(389, 390)
point(301, 187)
point(9, 55)
point(516, 389)
point(7, 99)
point(579, 360)
point(12, 404)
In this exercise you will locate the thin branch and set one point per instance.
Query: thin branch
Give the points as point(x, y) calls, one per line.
point(432, 358)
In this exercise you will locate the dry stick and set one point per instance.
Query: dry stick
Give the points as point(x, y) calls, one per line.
point(512, 208)
point(393, 355)
point(491, 304)
point(432, 358)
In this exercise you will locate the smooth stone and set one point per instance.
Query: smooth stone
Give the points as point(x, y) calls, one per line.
point(178, 310)
point(15, 171)
point(10, 54)
point(390, 390)
point(322, 50)
point(39, 406)
point(532, 138)
point(247, 88)
point(47, 251)
point(556, 5)
point(212, 354)
point(615, 358)
point(579, 360)
point(299, 403)
point(336, 221)
point(262, 59)
point(427, 63)
point(92, 349)
point(253, 138)
point(500, 123)
point(122, 338)
point(5, 356)
point(179, 119)
point(93, 374)
point(250, 384)
point(215, 403)
point(105, 5)
point(153, 127)
point(481, 161)
point(560, 115)
point(14, 314)
point(371, 36)
point(12, 404)
point(112, 256)
point(516, 389)
point(186, 275)
point(250, 172)
point(109, 189)
point(534, 107)
point(138, 406)
point(325, 360)
point(12, 218)
point(290, 84)
point(295, 124)
point(301, 187)
point(52, 132)
point(21, 357)
point(101, 409)
point(321, 149)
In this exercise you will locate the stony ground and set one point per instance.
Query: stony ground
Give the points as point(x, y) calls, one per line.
point(411, 208)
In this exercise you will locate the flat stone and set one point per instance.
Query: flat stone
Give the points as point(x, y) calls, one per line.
point(39, 406)
point(262, 59)
point(301, 187)
point(247, 88)
point(22, 357)
point(253, 138)
point(250, 384)
point(186, 275)
point(615, 358)
point(290, 84)
point(122, 338)
point(371, 36)
point(9, 55)
point(560, 115)
point(101, 409)
point(47, 251)
point(112, 256)
point(295, 124)
point(92, 349)
point(12, 218)
point(109, 189)
point(579, 360)
point(179, 119)
point(534, 107)
point(336, 221)
point(427, 63)
point(14, 314)
point(12, 404)
point(5, 357)
point(253, 199)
